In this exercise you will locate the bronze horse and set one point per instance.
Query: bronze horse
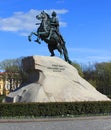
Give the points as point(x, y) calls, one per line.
point(55, 42)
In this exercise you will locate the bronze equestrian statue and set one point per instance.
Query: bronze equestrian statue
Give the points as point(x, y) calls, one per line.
point(48, 31)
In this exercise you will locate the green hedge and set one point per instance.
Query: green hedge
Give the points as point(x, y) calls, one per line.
point(109, 96)
point(2, 97)
point(54, 109)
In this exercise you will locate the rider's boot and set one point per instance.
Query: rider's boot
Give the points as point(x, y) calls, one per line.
point(49, 35)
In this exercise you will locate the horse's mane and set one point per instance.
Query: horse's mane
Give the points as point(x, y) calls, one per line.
point(47, 15)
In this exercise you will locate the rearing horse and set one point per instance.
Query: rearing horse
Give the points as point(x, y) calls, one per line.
point(55, 41)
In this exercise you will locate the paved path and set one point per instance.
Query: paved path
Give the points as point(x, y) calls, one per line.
point(81, 123)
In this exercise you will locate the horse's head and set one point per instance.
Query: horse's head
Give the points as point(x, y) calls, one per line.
point(43, 16)
point(44, 28)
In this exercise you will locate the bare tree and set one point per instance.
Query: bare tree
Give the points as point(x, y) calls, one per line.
point(13, 71)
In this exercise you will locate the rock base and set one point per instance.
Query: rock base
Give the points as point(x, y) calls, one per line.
point(51, 79)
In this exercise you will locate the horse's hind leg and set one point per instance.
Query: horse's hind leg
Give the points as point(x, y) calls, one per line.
point(51, 50)
point(59, 49)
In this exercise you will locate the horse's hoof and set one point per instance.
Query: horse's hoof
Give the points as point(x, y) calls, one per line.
point(52, 55)
point(29, 39)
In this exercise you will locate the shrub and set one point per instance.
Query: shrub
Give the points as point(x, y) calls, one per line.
point(54, 109)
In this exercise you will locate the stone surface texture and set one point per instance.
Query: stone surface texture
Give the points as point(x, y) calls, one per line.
point(51, 79)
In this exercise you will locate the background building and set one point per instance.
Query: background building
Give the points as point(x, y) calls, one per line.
point(1, 84)
point(8, 83)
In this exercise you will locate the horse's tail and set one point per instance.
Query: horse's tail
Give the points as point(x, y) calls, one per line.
point(65, 52)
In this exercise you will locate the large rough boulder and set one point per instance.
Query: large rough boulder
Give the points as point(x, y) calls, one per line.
point(51, 79)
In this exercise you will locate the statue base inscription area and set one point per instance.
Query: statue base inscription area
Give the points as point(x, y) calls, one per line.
point(51, 79)
point(56, 68)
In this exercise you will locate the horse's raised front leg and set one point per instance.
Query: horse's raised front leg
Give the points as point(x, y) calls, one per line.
point(32, 33)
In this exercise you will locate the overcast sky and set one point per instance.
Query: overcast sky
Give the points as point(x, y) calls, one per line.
point(84, 24)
